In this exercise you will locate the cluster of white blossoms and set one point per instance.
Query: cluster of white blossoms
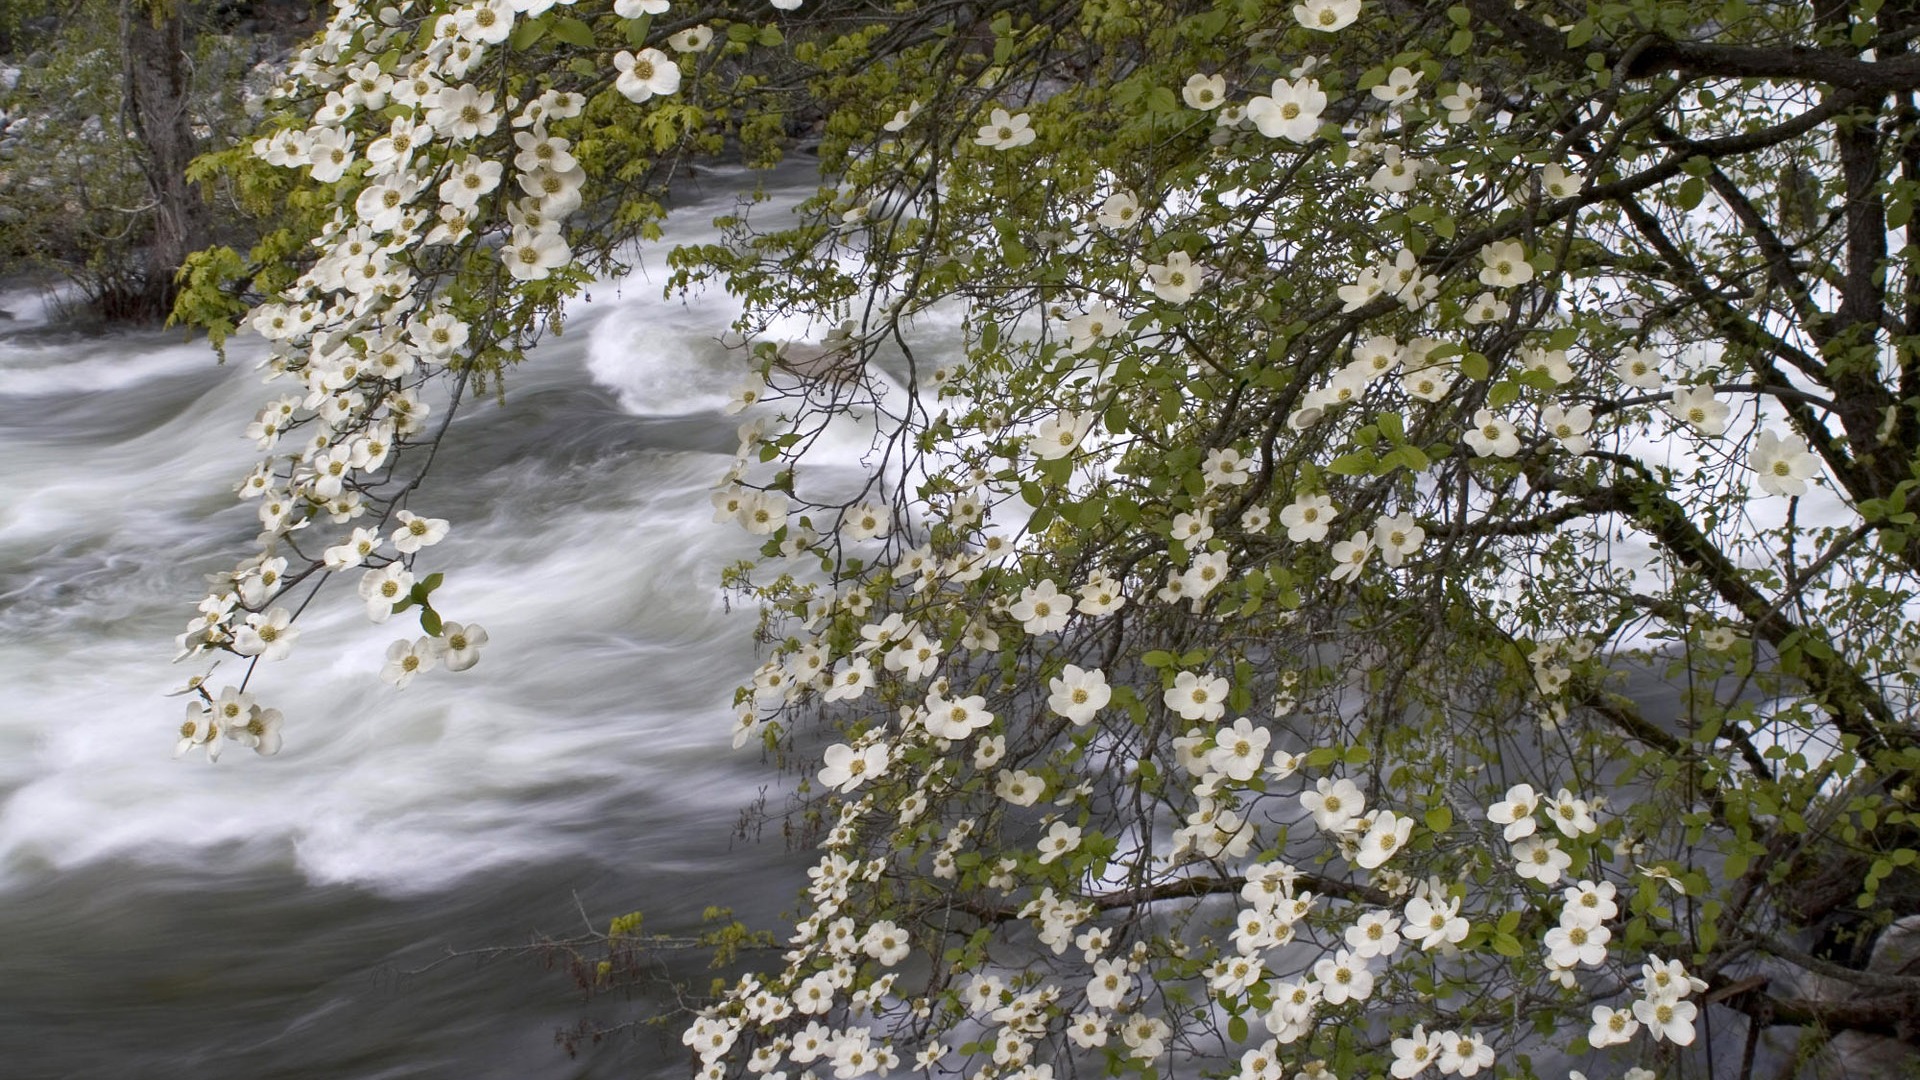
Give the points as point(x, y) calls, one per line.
point(995, 719)
point(1662, 1007)
point(890, 652)
point(1538, 857)
point(429, 159)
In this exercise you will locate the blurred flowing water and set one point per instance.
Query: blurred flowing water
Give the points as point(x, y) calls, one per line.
point(261, 917)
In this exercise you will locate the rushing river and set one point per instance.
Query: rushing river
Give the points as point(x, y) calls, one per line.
point(269, 917)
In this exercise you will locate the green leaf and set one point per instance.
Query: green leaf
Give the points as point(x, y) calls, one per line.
point(1358, 463)
point(1474, 366)
point(430, 621)
point(573, 32)
point(1237, 1029)
point(1056, 470)
point(1507, 945)
point(1439, 819)
point(1692, 190)
point(528, 32)
point(1392, 426)
point(1411, 457)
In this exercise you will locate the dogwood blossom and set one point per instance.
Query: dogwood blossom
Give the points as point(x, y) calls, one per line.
point(1699, 408)
point(1291, 111)
point(1558, 183)
point(1397, 537)
point(1042, 608)
point(1120, 210)
point(694, 39)
point(1611, 1027)
point(956, 719)
point(1327, 16)
point(1350, 556)
point(1061, 839)
point(1492, 436)
point(1178, 279)
point(1540, 859)
point(1060, 434)
point(1782, 464)
point(847, 767)
point(645, 74)
point(1004, 132)
point(1432, 925)
point(1307, 518)
point(1577, 944)
point(1639, 368)
point(1398, 87)
point(1343, 977)
point(1206, 92)
point(268, 635)
point(1197, 696)
point(1515, 811)
point(458, 646)
point(1465, 1055)
point(1568, 427)
point(1334, 804)
point(1461, 103)
point(1413, 1053)
point(405, 659)
point(1504, 265)
point(1239, 751)
point(1078, 694)
point(1387, 834)
point(1486, 308)
point(1667, 1019)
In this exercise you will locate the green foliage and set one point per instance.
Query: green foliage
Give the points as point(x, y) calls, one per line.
point(1383, 464)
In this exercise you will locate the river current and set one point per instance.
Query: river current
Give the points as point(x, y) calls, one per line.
point(271, 917)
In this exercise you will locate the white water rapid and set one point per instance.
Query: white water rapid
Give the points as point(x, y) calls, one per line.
point(258, 918)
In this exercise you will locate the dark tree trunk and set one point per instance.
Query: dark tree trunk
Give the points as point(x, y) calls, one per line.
point(158, 73)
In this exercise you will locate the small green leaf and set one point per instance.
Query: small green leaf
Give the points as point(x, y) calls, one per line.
point(1392, 426)
point(1358, 463)
point(573, 32)
point(1056, 470)
point(529, 32)
point(430, 621)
